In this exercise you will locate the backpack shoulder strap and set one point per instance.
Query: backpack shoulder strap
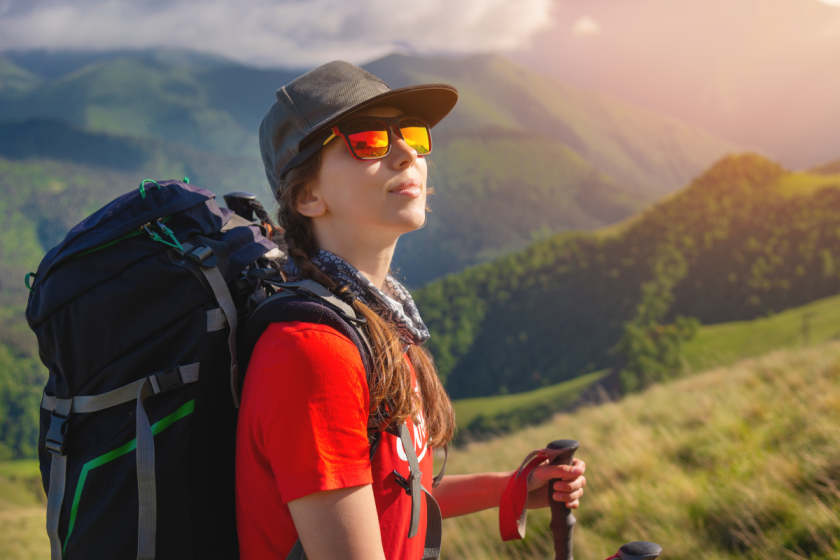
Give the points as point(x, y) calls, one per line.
point(306, 301)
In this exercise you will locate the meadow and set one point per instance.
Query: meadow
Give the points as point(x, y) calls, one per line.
point(737, 462)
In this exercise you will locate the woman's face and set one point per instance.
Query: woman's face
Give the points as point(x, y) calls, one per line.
point(384, 198)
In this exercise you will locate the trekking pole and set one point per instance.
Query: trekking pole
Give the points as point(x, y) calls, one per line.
point(563, 521)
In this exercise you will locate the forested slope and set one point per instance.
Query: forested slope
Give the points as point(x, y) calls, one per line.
point(744, 239)
point(520, 157)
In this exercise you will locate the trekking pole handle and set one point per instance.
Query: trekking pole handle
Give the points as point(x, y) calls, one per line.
point(562, 519)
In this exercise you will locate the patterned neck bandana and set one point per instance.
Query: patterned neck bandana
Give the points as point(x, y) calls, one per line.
point(394, 304)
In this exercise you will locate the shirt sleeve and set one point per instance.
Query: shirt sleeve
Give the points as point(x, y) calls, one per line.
point(312, 409)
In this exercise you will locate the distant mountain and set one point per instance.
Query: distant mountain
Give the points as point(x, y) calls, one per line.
point(521, 156)
point(651, 153)
point(196, 100)
point(745, 239)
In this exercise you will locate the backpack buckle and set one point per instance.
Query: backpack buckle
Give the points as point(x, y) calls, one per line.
point(202, 255)
point(56, 434)
point(163, 382)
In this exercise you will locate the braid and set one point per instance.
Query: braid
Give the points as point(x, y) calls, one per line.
point(392, 398)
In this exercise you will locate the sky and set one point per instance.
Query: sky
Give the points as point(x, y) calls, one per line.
point(290, 33)
point(297, 33)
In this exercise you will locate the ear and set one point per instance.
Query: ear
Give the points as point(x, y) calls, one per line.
point(310, 203)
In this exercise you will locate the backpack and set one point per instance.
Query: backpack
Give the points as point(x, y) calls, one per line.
point(136, 315)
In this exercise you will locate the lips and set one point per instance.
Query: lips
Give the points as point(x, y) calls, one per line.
point(408, 188)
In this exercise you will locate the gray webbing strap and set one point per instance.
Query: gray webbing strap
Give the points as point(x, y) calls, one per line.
point(297, 552)
point(95, 403)
point(434, 527)
point(413, 479)
point(220, 290)
point(434, 522)
point(145, 454)
point(58, 480)
point(146, 487)
point(216, 320)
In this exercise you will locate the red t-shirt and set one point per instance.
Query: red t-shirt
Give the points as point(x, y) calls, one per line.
point(303, 429)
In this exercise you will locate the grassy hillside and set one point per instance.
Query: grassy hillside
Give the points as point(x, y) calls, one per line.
point(736, 463)
point(488, 416)
point(744, 239)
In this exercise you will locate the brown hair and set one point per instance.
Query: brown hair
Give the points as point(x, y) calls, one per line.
point(392, 399)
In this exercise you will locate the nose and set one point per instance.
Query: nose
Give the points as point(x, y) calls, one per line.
point(405, 153)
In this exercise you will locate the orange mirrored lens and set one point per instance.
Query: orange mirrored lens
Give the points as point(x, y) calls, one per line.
point(416, 134)
point(369, 139)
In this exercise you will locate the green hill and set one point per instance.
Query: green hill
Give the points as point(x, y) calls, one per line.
point(718, 345)
point(521, 156)
point(741, 241)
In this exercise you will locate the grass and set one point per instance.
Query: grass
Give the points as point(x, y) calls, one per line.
point(738, 462)
point(22, 512)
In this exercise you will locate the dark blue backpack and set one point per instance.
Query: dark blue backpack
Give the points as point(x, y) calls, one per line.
point(141, 313)
point(135, 314)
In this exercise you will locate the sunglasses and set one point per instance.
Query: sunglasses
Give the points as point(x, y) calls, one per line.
point(371, 137)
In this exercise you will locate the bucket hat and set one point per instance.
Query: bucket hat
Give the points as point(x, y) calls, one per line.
point(308, 106)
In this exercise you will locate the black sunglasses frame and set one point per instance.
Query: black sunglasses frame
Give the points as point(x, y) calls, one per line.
point(392, 125)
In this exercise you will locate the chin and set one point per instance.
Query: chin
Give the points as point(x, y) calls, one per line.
point(407, 224)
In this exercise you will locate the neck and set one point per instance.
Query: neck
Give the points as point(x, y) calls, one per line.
point(370, 256)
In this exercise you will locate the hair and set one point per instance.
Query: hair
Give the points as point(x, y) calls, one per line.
point(392, 398)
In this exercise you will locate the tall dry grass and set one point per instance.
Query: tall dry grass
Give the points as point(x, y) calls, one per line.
point(738, 462)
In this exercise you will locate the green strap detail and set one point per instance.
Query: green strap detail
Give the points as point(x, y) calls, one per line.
point(117, 240)
point(157, 427)
point(26, 281)
point(143, 187)
point(155, 237)
point(187, 180)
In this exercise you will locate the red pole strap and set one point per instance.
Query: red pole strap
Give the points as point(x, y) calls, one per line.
point(512, 512)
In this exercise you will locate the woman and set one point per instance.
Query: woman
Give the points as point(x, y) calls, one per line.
point(345, 157)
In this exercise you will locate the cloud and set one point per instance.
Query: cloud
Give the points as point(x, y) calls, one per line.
point(586, 26)
point(276, 32)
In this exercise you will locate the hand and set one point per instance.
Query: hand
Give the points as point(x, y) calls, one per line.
point(569, 489)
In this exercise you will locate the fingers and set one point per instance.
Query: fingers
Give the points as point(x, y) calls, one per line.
point(570, 486)
point(569, 497)
point(548, 472)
